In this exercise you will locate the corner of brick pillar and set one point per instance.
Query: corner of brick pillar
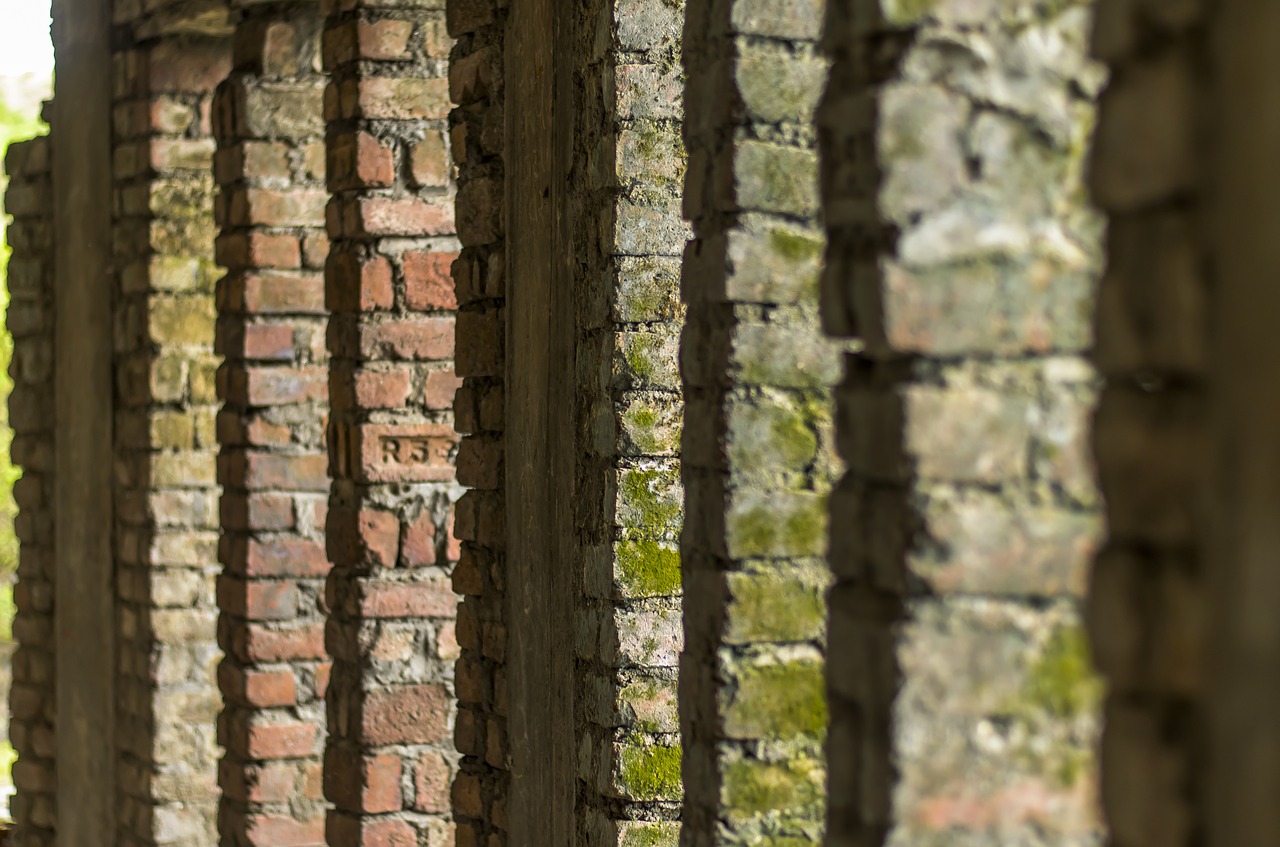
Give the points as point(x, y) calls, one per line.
point(1149, 597)
point(476, 133)
point(269, 123)
point(29, 319)
point(758, 459)
point(390, 759)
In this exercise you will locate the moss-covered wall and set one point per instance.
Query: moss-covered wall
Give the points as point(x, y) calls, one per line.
point(758, 455)
point(964, 256)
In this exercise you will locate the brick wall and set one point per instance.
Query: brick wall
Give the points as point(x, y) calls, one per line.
point(389, 761)
point(476, 142)
point(29, 318)
point(964, 256)
point(268, 118)
point(1147, 600)
point(628, 237)
point(758, 459)
point(166, 500)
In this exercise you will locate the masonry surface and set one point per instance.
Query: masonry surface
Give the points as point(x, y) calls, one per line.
point(642, 422)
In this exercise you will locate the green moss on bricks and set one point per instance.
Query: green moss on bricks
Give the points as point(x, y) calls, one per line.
point(771, 607)
point(794, 525)
point(1062, 681)
point(779, 701)
point(650, 772)
point(645, 508)
point(902, 12)
point(794, 246)
point(641, 834)
point(755, 788)
point(648, 569)
point(648, 431)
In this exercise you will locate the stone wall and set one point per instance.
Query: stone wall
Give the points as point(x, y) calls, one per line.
point(29, 319)
point(523, 251)
point(393, 450)
point(273, 467)
point(166, 497)
point(758, 457)
point(628, 236)
point(1148, 600)
point(963, 255)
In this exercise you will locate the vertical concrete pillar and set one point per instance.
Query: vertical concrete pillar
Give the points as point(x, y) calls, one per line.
point(87, 688)
point(627, 238)
point(167, 66)
point(389, 760)
point(1147, 597)
point(1244, 489)
point(477, 145)
point(758, 459)
point(539, 448)
point(963, 256)
point(269, 122)
point(29, 318)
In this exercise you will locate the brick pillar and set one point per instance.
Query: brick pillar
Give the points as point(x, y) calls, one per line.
point(1147, 598)
point(629, 499)
point(389, 760)
point(273, 468)
point(964, 256)
point(757, 457)
point(166, 497)
point(29, 318)
point(476, 142)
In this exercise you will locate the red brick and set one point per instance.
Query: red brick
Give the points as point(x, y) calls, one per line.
point(257, 688)
point(405, 600)
point(257, 600)
point(282, 741)
point(286, 557)
point(419, 545)
point(399, 99)
point(428, 279)
point(366, 832)
point(384, 40)
point(382, 389)
point(356, 783)
point(265, 511)
point(409, 217)
point(408, 714)
point(440, 389)
point(280, 294)
point(431, 783)
point(257, 249)
point(360, 160)
point(429, 161)
point(296, 473)
point(402, 453)
point(353, 285)
point(255, 643)
point(368, 538)
point(272, 782)
point(267, 342)
point(194, 67)
point(285, 831)
point(429, 339)
point(275, 386)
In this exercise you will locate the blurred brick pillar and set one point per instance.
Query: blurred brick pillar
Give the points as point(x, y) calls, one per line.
point(269, 122)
